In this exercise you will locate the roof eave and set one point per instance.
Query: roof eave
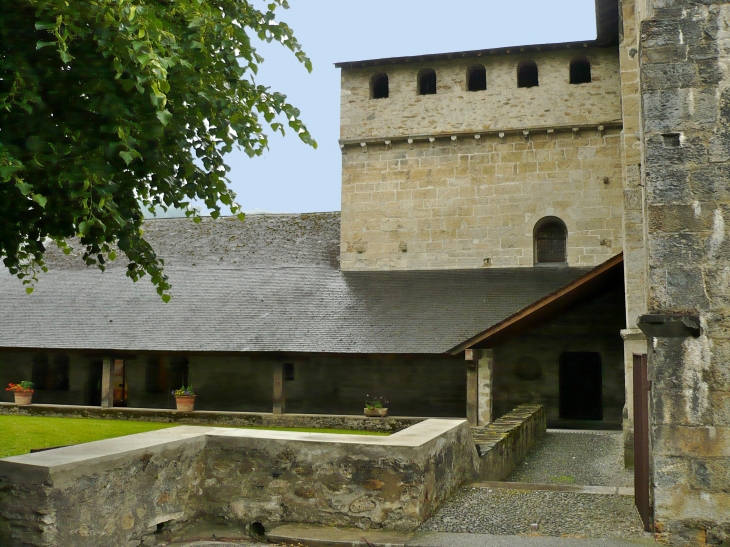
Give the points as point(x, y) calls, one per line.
point(472, 54)
point(553, 299)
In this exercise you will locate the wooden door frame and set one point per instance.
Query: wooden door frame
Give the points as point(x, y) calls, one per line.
point(642, 467)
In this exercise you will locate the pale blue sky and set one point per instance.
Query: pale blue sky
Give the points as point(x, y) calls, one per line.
point(291, 177)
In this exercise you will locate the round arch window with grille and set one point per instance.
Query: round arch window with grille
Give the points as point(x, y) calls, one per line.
point(550, 241)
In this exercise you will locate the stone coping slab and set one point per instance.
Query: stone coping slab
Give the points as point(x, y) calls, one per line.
point(68, 463)
point(214, 418)
point(581, 489)
point(326, 536)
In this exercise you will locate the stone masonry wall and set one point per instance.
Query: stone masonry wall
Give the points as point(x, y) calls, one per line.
point(101, 497)
point(505, 442)
point(685, 74)
point(120, 492)
point(527, 367)
point(469, 203)
point(501, 107)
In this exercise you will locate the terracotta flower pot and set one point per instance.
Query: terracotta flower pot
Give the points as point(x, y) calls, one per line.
point(185, 403)
point(23, 397)
point(376, 412)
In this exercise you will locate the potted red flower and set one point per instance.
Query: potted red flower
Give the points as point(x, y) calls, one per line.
point(23, 392)
point(185, 398)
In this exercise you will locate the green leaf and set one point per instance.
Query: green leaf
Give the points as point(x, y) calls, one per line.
point(127, 156)
point(165, 298)
point(29, 290)
point(164, 116)
point(6, 171)
point(41, 45)
point(40, 200)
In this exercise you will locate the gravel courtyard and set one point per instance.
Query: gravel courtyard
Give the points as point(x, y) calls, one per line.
point(590, 458)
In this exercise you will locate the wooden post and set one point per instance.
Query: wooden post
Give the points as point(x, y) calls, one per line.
point(107, 382)
point(279, 398)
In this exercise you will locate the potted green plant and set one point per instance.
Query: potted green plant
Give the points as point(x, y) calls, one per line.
point(23, 392)
point(185, 398)
point(376, 406)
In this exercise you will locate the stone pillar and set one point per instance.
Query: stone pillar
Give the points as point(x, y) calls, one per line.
point(484, 372)
point(107, 382)
point(479, 366)
point(634, 244)
point(634, 343)
point(472, 392)
point(279, 396)
point(685, 93)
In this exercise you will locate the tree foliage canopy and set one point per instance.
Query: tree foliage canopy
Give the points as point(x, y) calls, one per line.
point(111, 106)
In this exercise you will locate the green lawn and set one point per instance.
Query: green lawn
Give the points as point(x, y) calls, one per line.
point(18, 434)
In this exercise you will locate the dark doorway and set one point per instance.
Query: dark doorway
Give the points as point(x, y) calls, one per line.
point(120, 382)
point(581, 386)
point(93, 386)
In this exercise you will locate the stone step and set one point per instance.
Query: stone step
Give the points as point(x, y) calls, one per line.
point(312, 535)
point(577, 488)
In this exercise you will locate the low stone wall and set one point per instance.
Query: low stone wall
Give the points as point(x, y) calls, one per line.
point(505, 442)
point(216, 418)
point(119, 492)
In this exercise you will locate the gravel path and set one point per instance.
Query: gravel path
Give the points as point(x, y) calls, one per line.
point(511, 512)
point(588, 458)
point(591, 458)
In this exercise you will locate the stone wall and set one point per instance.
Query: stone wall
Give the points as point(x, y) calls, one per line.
point(501, 107)
point(118, 492)
point(526, 368)
point(108, 493)
point(471, 203)
point(685, 75)
point(504, 443)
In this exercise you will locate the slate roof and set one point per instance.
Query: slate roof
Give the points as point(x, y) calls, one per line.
point(271, 283)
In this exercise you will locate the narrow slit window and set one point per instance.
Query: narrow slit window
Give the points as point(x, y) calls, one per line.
point(379, 87)
point(477, 78)
point(427, 82)
point(527, 74)
point(550, 242)
point(580, 71)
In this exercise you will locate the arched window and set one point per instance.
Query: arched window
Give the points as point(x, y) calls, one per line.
point(379, 86)
point(550, 241)
point(427, 82)
point(527, 74)
point(476, 77)
point(580, 71)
